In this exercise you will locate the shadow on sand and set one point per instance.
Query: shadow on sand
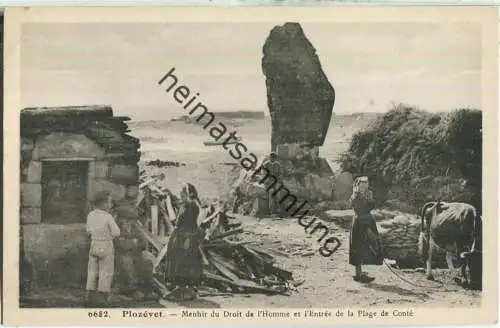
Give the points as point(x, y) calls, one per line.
point(398, 290)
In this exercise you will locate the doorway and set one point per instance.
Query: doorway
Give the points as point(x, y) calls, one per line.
point(64, 191)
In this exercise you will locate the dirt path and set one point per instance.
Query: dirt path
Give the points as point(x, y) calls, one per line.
point(328, 281)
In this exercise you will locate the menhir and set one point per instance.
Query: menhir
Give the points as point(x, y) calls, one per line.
point(300, 97)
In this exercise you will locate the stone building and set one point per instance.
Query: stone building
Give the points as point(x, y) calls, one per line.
point(68, 154)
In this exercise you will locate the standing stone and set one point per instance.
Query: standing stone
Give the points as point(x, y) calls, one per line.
point(300, 97)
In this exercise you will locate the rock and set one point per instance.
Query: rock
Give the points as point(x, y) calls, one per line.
point(252, 189)
point(31, 195)
point(300, 97)
point(319, 188)
point(343, 186)
point(402, 219)
point(341, 217)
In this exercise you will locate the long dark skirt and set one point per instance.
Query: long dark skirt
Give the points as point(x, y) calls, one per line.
point(183, 260)
point(364, 242)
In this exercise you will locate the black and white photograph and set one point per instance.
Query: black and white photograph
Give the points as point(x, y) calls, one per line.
point(263, 165)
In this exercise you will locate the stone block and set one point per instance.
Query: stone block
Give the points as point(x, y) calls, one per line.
point(253, 189)
point(297, 151)
point(322, 187)
point(31, 194)
point(126, 209)
point(289, 150)
point(132, 191)
point(66, 145)
point(31, 215)
point(124, 174)
point(283, 151)
point(101, 169)
point(34, 172)
point(91, 172)
point(58, 253)
point(293, 186)
point(343, 186)
point(27, 145)
point(118, 191)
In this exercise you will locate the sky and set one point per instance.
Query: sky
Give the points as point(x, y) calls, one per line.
point(436, 67)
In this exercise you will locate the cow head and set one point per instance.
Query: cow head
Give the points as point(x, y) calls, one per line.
point(425, 220)
point(473, 259)
point(426, 214)
point(423, 246)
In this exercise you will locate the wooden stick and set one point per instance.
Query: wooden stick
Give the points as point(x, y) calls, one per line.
point(149, 237)
point(240, 283)
point(162, 287)
point(166, 216)
point(170, 208)
point(161, 224)
point(228, 266)
point(160, 256)
point(228, 233)
point(154, 220)
point(203, 256)
point(140, 198)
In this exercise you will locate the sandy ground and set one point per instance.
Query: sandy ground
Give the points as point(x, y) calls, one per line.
point(328, 281)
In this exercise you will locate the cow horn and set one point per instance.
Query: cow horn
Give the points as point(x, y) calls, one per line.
point(425, 207)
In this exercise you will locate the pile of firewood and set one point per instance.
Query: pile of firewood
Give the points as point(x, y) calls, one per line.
point(229, 266)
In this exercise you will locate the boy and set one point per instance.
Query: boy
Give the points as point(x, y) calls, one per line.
point(102, 228)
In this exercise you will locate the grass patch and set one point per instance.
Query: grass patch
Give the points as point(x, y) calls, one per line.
point(414, 156)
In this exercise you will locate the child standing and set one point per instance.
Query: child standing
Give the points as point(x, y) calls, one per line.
point(102, 228)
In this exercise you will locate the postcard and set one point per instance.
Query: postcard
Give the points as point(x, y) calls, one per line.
point(255, 165)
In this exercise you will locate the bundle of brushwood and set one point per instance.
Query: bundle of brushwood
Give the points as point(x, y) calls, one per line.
point(229, 265)
point(154, 197)
point(400, 240)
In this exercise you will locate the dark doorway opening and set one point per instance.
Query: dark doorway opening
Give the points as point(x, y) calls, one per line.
point(64, 191)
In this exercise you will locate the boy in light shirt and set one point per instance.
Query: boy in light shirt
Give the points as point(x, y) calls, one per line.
point(102, 228)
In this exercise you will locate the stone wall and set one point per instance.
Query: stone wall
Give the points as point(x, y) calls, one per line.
point(58, 253)
point(55, 255)
point(103, 173)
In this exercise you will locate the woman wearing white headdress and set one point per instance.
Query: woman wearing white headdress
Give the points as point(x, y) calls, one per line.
point(364, 243)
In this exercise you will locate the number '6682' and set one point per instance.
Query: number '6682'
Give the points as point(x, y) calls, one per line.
point(98, 314)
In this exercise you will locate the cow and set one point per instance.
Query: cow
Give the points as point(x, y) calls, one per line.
point(452, 227)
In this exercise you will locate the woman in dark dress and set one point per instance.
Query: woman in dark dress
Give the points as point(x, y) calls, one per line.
point(183, 259)
point(364, 243)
